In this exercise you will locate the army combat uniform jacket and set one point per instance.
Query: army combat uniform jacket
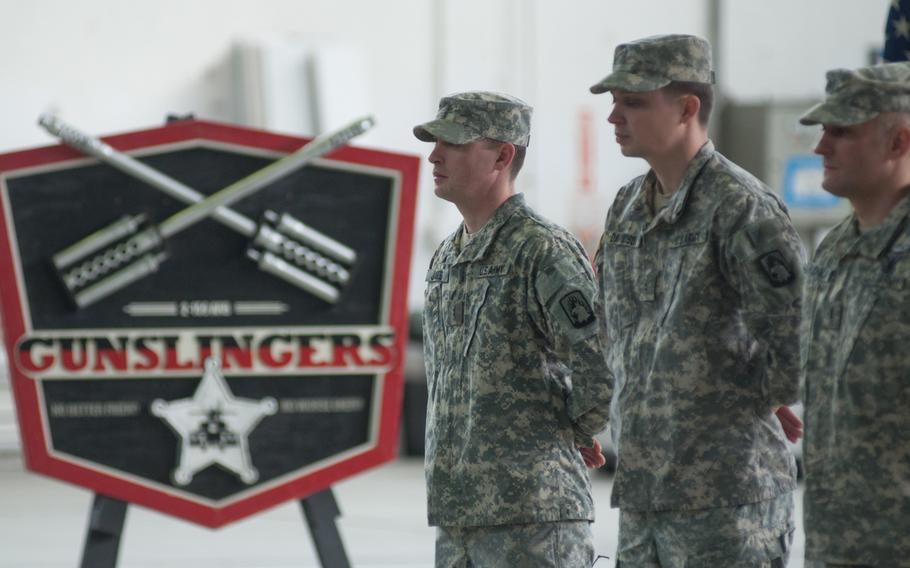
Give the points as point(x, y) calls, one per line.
point(702, 310)
point(516, 374)
point(856, 361)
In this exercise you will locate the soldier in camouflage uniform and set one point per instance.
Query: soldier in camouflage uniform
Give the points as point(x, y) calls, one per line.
point(515, 368)
point(700, 277)
point(856, 328)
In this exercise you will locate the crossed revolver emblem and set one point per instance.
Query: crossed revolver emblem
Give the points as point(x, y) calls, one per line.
point(132, 248)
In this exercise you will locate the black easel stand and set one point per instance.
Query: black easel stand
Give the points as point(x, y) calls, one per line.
point(105, 526)
point(321, 510)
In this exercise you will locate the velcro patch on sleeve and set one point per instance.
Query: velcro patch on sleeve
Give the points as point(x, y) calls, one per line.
point(577, 309)
point(776, 268)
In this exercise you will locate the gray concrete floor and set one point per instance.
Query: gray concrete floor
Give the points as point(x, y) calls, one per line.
point(383, 524)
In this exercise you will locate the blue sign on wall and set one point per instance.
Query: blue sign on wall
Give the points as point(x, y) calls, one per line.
point(802, 188)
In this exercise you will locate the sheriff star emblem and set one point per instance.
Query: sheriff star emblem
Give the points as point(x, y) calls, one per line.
point(214, 427)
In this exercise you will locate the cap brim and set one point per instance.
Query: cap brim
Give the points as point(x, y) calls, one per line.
point(626, 81)
point(836, 113)
point(446, 131)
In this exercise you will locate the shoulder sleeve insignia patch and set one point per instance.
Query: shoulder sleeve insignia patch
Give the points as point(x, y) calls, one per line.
point(577, 309)
point(776, 268)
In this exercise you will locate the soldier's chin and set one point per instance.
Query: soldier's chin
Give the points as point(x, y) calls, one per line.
point(629, 152)
point(441, 193)
point(832, 187)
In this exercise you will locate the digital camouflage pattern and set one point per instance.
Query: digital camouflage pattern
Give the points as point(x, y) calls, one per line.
point(856, 366)
point(653, 62)
point(857, 96)
point(465, 117)
point(538, 545)
point(702, 306)
point(755, 535)
point(816, 564)
point(516, 374)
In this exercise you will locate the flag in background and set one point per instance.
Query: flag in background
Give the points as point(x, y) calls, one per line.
point(897, 32)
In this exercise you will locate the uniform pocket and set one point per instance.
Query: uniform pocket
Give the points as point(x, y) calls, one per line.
point(619, 294)
point(687, 250)
point(618, 283)
point(856, 312)
point(878, 332)
point(434, 317)
point(670, 285)
point(475, 318)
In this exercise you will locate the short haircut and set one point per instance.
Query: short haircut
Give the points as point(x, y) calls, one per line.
point(704, 92)
point(888, 121)
point(517, 161)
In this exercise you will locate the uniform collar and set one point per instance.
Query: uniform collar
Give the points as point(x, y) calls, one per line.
point(877, 241)
point(481, 241)
point(640, 208)
point(674, 209)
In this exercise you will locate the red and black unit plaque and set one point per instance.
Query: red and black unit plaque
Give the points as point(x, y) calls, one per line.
point(210, 368)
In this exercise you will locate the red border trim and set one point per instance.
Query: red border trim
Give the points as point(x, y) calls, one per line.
point(25, 391)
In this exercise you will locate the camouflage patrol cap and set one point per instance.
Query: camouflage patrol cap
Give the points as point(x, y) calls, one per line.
point(465, 117)
point(856, 96)
point(653, 62)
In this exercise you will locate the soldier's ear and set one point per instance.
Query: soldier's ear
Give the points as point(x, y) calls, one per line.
point(900, 141)
point(505, 157)
point(691, 106)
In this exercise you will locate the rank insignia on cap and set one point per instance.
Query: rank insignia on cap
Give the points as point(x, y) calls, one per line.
point(577, 309)
point(776, 268)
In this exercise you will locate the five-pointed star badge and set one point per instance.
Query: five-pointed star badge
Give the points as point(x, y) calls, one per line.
point(214, 427)
point(902, 27)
